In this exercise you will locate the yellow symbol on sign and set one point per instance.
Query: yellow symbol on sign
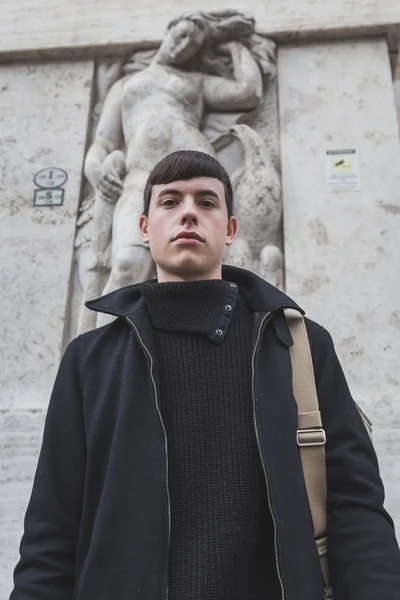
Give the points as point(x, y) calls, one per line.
point(342, 164)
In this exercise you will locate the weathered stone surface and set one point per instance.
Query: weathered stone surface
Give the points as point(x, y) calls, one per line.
point(258, 207)
point(343, 248)
point(20, 439)
point(53, 25)
point(387, 444)
point(397, 94)
point(43, 120)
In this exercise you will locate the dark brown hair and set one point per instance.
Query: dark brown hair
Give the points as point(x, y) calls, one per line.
point(187, 164)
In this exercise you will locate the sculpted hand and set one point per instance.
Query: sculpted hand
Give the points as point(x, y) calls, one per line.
point(110, 183)
point(226, 48)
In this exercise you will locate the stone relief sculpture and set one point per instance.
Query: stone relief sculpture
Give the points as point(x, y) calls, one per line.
point(208, 74)
point(257, 190)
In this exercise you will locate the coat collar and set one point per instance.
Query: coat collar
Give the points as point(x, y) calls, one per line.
point(261, 295)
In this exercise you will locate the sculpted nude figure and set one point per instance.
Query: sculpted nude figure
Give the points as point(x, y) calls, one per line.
point(150, 114)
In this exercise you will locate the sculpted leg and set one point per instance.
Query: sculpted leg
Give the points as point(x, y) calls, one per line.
point(239, 254)
point(131, 261)
point(271, 265)
point(131, 264)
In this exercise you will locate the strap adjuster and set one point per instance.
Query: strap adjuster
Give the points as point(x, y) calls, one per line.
point(311, 437)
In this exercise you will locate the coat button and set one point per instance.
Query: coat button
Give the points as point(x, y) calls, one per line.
point(219, 332)
point(228, 307)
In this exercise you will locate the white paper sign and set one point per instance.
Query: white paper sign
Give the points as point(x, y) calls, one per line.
point(342, 170)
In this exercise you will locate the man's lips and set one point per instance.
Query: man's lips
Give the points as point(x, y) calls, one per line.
point(188, 237)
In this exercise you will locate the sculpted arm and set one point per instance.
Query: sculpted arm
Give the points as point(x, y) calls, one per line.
point(109, 136)
point(244, 93)
point(105, 169)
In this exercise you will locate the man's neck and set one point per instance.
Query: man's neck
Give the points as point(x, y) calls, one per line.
point(166, 276)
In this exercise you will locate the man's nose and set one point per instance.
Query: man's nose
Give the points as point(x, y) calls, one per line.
point(189, 213)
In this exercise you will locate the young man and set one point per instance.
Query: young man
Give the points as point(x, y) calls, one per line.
point(169, 466)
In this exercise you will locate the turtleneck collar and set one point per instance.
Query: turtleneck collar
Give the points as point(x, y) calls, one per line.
point(196, 306)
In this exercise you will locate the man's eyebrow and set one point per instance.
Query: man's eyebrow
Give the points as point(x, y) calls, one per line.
point(167, 191)
point(174, 192)
point(208, 193)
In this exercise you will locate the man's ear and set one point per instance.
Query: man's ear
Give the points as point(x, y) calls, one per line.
point(231, 230)
point(144, 228)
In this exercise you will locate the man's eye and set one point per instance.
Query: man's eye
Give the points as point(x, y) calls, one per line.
point(208, 203)
point(169, 202)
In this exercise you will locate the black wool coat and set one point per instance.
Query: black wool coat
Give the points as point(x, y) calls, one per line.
point(97, 524)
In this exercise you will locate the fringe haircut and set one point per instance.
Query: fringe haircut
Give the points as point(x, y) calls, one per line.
point(187, 164)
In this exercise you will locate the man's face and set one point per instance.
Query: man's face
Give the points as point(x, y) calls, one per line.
point(187, 229)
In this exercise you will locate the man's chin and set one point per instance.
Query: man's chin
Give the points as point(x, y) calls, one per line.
point(188, 267)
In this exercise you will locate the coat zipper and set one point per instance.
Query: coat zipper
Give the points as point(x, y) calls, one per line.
point(163, 428)
point(263, 322)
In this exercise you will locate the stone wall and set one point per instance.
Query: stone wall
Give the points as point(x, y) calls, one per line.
point(43, 121)
point(397, 93)
point(51, 26)
point(342, 246)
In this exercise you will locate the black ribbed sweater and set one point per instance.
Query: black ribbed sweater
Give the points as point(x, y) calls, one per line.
point(221, 545)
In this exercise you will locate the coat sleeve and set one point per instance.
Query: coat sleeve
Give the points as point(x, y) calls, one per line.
point(363, 553)
point(46, 567)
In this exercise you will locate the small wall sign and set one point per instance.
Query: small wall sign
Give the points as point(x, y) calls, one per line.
point(48, 197)
point(50, 181)
point(50, 177)
point(342, 170)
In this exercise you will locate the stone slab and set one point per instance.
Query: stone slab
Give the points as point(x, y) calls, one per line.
point(397, 94)
point(343, 248)
point(44, 110)
point(20, 439)
point(54, 26)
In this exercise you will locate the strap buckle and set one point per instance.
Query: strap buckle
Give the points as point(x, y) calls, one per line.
point(313, 437)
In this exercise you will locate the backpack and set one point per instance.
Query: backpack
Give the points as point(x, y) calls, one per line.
point(311, 437)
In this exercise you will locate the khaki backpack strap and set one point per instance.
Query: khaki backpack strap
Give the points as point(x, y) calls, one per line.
point(311, 437)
